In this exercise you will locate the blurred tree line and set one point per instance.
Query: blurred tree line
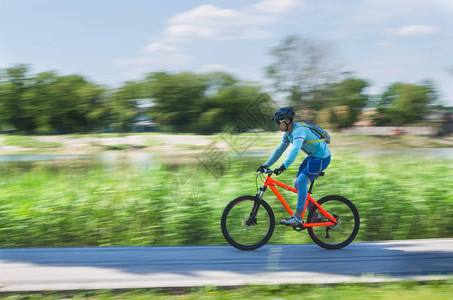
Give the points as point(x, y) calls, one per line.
point(183, 102)
point(303, 72)
point(314, 83)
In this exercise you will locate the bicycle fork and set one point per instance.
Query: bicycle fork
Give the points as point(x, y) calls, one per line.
point(256, 205)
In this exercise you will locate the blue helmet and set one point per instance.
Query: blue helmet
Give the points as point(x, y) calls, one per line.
point(283, 114)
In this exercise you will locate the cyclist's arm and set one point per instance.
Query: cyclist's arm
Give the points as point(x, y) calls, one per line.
point(299, 136)
point(297, 144)
point(278, 152)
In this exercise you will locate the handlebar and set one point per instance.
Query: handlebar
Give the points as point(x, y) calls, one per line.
point(267, 171)
point(270, 172)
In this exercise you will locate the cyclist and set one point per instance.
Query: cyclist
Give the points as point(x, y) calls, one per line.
point(317, 160)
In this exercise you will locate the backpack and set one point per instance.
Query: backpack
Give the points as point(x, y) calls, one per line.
point(325, 136)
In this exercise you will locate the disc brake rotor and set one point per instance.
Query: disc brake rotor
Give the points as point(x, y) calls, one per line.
point(247, 227)
point(336, 226)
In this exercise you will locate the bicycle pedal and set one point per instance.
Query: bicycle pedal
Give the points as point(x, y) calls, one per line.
point(298, 228)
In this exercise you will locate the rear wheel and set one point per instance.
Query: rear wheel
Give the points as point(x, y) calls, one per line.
point(242, 230)
point(341, 234)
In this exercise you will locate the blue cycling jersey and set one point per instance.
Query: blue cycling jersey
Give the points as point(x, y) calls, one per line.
point(297, 138)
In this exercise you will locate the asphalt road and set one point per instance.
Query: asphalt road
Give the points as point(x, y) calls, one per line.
point(33, 269)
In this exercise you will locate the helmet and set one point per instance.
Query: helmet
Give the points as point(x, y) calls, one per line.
point(283, 114)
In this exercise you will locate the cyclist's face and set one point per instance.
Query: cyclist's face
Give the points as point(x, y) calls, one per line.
point(281, 124)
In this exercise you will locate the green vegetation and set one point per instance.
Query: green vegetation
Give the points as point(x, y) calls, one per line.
point(77, 204)
point(49, 103)
point(26, 142)
point(404, 103)
point(303, 70)
point(438, 290)
point(117, 147)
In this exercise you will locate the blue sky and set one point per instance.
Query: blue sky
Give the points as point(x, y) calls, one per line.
point(112, 41)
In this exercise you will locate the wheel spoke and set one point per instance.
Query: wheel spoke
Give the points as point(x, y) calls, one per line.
point(344, 231)
point(242, 231)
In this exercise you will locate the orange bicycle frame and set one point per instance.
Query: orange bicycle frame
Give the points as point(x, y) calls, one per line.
point(272, 183)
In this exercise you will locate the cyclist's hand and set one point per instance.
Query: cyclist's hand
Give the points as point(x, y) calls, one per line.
point(262, 169)
point(280, 170)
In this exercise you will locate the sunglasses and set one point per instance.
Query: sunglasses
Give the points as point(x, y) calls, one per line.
point(281, 121)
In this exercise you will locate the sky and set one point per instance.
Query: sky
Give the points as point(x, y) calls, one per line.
point(114, 41)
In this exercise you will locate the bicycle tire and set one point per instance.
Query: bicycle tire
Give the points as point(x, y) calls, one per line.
point(337, 236)
point(240, 235)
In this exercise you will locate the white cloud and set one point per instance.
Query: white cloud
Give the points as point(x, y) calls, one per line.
point(412, 30)
point(278, 7)
point(156, 55)
point(155, 60)
point(187, 31)
point(209, 22)
point(217, 68)
point(135, 67)
point(158, 48)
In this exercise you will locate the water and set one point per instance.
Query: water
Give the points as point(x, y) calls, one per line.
point(109, 160)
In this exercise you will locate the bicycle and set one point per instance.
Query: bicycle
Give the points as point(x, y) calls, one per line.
point(248, 222)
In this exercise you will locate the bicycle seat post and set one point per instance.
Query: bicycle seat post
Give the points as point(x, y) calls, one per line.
point(313, 182)
point(311, 186)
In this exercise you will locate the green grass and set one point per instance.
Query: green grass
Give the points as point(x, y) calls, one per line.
point(111, 135)
point(94, 135)
point(26, 142)
point(438, 290)
point(340, 141)
point(77, 204)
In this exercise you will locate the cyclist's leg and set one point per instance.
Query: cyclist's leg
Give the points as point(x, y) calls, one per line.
point(308, 171)
point(301, 185)
point(302, 181)
point(301, 168)
point(296, 219)
point(311, 170)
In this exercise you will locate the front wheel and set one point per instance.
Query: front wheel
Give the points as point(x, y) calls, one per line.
point(341, 234)
point(246, 230)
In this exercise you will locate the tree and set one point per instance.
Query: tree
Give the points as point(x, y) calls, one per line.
point(202, 103)
point(226, 100)
point(123, 105)
point(345, 101)
point(404, 103)
point(67, 103)
point(48, 102)
point(175, 97)
point(301, 70)
point(16, 110)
